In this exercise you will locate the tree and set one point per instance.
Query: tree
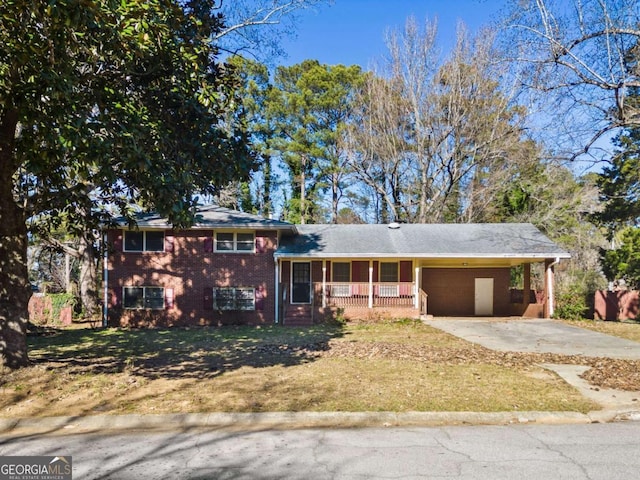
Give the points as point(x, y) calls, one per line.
point(435, 137)
point(582, 57)
point(619, 184)
point(104, 105)
point(623, 262)
point(254, 27)
point(256, 92)
point(308, 107)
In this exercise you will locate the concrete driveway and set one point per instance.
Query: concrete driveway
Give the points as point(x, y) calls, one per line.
point(538, 336)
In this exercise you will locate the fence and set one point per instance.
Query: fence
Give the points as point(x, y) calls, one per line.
point(616, 305)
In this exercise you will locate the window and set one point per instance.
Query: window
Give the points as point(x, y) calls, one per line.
point(143, 241)
point(341, 272)
point(234, 298)
point(235, 242)
point(151, 298)
point(388, 272)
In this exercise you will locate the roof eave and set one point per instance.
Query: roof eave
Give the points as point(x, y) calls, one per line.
point(541, 256)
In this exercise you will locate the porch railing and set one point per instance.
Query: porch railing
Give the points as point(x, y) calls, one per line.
point(423, 301)
point(379, 294)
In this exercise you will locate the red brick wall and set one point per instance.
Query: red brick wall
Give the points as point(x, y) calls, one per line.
point(189, 270)
point(451, 291)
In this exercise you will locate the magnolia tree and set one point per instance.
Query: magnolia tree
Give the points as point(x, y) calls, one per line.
point(104, 104)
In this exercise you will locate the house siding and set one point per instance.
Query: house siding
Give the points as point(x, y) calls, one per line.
point(188, 269)
point(451, 291)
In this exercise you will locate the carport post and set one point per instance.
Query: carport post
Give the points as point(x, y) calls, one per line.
point(526, 288)
point(548, 284)
point(370, 303)
point(417, 288)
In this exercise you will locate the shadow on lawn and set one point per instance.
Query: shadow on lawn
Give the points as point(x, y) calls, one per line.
point(196, 352)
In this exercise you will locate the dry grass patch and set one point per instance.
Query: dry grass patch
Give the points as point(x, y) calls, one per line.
point(388, 366)
point(628, 330)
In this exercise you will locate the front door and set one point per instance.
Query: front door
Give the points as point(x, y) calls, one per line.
point(484, 296)
point(301, 282)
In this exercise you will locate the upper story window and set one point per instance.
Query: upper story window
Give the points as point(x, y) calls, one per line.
point(143, 241)
point(234, 242)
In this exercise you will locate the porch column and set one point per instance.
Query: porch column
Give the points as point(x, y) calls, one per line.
point(370, 284)
point(324, 283)
point(526, 286)
point(548, 287)
point(277, 291)
point(416, 300)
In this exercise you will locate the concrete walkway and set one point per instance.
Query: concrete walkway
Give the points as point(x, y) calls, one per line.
point(537, 336)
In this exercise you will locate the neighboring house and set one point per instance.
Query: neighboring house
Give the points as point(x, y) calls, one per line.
point(236, 268)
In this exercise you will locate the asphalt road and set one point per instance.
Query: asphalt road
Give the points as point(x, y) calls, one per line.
point(591, 451)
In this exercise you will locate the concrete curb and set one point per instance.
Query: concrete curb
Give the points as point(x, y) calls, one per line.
point(295, 420)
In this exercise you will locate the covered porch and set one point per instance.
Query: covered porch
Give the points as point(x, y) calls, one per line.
point(412, 270)
point(312, 290)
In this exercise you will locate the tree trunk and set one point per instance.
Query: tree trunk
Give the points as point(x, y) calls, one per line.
point(14, 277)
point(335, 197)
point(88, 280)
point(303, 191)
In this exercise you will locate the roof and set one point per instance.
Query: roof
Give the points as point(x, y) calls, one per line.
point(214, 216)
point(486, 240)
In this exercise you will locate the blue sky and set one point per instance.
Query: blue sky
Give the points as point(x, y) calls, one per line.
point(352, 31)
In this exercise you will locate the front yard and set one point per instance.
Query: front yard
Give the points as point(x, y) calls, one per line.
point(390, 366)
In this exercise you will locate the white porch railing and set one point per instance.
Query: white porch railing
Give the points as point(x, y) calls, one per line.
point(381, 294)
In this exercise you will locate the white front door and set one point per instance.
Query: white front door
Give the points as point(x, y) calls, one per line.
point(484, 296)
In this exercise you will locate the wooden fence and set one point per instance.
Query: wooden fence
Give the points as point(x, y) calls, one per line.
point(616, 305)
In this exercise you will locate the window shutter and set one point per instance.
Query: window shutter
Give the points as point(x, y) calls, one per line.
point(116, 297)
point(260, 298)
point(168, 298)
point(117, 240)
point(208, 244)
point(261, 244)
point(406, 274)
point(168, 241)
point(207, 298)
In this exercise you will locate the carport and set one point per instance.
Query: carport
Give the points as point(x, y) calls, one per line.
point(411, 269)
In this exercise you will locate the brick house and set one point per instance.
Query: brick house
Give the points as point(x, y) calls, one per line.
point(237, 268)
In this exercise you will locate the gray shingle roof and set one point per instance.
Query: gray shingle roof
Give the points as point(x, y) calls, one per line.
point(515, 240)
point(213, 216)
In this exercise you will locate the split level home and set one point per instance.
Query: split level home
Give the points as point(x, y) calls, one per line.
point(235, 268)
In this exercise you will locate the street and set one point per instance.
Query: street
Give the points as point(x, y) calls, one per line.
point(591, 451)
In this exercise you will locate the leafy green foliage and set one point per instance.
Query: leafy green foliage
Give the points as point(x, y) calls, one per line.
point(105, 105)
point(308, 108)
point(623, 262)
point(118, 102)
point(619, 184)
point(571, 303)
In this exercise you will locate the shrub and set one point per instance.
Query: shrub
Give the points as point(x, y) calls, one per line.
point(572, 303)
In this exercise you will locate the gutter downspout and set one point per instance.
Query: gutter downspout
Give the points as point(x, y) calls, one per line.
point(277, 290)
point(550, 294)
point(105, 279)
